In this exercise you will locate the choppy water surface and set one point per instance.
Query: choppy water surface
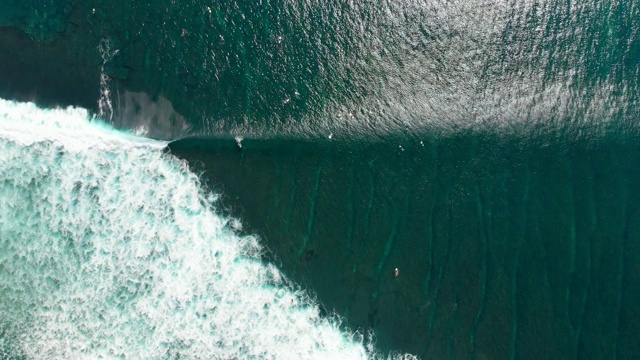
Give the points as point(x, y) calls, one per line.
point(354, 69)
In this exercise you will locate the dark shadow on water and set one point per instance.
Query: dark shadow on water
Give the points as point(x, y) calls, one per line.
point(502, 248)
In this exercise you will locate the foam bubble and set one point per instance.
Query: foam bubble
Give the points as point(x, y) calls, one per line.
point(109, 248)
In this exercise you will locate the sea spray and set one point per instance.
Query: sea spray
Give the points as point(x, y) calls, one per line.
point(109, 248)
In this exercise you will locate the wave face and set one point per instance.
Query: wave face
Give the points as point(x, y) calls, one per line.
point(109, 248)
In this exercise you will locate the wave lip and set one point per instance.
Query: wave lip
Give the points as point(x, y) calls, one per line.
point(109, 248)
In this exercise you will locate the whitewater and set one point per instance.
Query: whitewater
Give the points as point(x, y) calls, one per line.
point(111, 248)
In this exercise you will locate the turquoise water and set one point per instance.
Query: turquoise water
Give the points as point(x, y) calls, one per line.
point(457, 177)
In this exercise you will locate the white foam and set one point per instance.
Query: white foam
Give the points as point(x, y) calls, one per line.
point(25, 124)
point(109, 249)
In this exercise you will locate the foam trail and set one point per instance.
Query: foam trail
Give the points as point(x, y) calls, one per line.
point(110, 249)
point(105, 105)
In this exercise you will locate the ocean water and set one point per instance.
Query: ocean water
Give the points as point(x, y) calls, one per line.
point(307, 69)
point(110, 248)
point(450, 179)
point(505, 247)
